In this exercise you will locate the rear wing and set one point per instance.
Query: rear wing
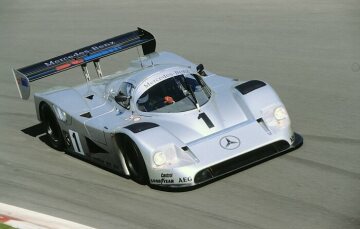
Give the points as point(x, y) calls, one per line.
point(92, 53)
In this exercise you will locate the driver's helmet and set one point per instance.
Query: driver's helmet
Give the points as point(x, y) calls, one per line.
point(143, 98)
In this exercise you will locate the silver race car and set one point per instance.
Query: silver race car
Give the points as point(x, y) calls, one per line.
point(164, 121)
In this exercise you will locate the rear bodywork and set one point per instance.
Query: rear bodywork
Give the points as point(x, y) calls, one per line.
point(237, 127)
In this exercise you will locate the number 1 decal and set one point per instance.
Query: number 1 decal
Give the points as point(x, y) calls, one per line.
point(75, 140)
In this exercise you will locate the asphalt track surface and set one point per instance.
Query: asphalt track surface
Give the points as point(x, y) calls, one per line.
point(309, 51)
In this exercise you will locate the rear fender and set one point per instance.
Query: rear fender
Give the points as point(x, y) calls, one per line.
point(67, 99)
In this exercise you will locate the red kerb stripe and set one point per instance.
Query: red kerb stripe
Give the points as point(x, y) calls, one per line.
point(4, 218)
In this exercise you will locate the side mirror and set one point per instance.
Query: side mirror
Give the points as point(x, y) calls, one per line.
point(200, 70)
point(123, 100)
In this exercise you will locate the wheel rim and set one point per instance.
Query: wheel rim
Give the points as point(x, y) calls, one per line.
point(53, 130)
point(134, 163)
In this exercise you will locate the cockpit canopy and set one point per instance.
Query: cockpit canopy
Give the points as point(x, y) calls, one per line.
point(175, 94)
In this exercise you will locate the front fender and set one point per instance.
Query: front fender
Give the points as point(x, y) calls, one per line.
point(259, 99)
point(149, 139)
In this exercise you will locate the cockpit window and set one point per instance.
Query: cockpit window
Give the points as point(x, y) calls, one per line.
point(175, 94)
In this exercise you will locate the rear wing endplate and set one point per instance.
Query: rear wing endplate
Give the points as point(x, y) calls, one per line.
point(92, 53)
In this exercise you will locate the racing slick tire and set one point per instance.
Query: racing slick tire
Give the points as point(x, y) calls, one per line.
point(52, 128)
point(134, 161)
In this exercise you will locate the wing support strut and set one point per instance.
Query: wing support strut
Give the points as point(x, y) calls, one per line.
point(98, 68)
point(86, 72)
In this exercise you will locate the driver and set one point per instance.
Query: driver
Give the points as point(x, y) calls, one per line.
point(168, 100)
point(143, 102)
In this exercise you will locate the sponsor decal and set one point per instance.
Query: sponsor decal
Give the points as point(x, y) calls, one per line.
point(75, 140)
point(63, 66)
point(152, 81)
point(77, 61)
point(76, 55)
point(23, 82)
point(166, 178)
point(166, 175)
point(185, 179)
point(66, 58)
point(102, 46)
point(229, 142)
point(162, 181)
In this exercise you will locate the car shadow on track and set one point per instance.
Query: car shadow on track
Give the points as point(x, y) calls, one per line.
point(37, 130)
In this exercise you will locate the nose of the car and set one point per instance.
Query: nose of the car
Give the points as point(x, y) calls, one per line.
point(193, 125)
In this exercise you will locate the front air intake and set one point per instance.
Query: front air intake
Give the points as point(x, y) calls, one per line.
point(241, 162)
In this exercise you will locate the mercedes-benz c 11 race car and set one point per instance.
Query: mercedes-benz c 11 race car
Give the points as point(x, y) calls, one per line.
point(164, 121)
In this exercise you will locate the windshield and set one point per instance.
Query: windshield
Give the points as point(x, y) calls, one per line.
point(176, 94)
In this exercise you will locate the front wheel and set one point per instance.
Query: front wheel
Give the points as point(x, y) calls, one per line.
point(134, 161)
point(52, 128)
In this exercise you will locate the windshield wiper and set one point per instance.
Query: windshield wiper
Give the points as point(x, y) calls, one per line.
point(188, 87)
point(203, 85)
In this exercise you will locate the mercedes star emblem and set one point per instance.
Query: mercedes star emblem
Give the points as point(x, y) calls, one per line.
point(229, 142)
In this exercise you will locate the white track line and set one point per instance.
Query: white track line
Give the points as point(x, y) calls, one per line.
point(26, 219)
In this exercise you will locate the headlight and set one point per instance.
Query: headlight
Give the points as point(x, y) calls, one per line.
point(159, 158)
point(60, 113)
point(170, 155)
point(275, 116)
point(280, 113)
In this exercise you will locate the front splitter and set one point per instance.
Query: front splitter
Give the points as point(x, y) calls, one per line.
point(236, 164)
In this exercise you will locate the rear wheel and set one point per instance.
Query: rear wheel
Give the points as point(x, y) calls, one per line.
point(52, 128)
point(134, 161)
